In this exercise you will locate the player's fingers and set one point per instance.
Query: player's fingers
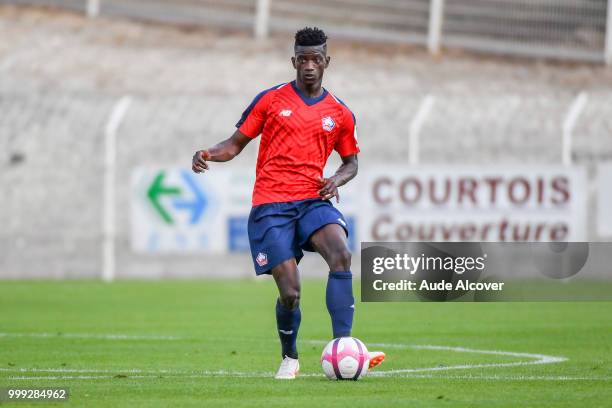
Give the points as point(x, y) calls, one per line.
point(198, 169)
point(334, 193)
point(328, 186)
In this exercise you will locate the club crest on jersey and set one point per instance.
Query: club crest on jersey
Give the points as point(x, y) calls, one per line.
point(328, 123)
point(285, 112)
point(262, 259)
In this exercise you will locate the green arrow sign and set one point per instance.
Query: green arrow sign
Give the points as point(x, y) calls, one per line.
point(157, 190)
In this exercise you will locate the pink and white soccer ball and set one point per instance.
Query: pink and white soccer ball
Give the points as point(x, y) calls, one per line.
point(345, 358)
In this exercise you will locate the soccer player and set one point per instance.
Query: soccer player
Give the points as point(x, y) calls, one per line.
point(300, 123)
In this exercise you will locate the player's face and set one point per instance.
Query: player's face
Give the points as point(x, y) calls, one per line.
point(310, 65)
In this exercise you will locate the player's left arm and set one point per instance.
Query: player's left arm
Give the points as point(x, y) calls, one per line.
point(345, 173)
point(347, 147)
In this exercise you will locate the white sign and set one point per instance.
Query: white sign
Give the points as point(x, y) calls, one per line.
point(473, 204)
point(604, 202)
point(176, 210)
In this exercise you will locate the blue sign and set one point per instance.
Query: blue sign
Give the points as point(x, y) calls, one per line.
point(237, 234)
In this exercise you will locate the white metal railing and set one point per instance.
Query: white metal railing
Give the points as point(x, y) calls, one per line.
point(434, 36)
point(608, 47)
point(109, 227)
point(569, 123)
point(566, 29)
point(262, 19)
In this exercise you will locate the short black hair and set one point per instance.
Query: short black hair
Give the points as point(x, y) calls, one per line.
point(310, 36)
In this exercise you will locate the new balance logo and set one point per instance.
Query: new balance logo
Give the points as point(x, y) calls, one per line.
point(285, 112)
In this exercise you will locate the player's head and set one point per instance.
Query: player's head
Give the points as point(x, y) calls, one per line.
point(310, 59)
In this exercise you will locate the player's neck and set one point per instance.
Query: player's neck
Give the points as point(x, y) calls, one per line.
point(311, 91)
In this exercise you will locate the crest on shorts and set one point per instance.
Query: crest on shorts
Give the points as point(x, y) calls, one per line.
point(328, 123)
point(262, 259)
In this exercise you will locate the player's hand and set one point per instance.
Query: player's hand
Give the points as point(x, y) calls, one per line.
point(329, 189)
point(198, 163)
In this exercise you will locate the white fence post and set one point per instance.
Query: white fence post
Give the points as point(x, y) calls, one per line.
point(262, 19)
point(434, 35)
point(608, 50)
point(93, 8)
point(568, 126)
point(415, 129)
point(108, 220)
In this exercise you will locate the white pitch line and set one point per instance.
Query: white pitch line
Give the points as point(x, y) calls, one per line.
point(269, 375)
point(140, 374)
point(511, 377)
point(119, 375)
point(91, 336)
point(79, 377)
point(389, 373)
point(535, 359)
point(131, 371)
point(88, 370)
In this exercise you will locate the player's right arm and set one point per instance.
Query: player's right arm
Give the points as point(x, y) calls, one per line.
point(221, 152)
point(248, 127)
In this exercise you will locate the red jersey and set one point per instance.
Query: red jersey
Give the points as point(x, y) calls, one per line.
point(298, 133)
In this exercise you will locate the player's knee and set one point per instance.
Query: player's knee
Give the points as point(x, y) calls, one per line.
point(290, 298)
point(341, 260)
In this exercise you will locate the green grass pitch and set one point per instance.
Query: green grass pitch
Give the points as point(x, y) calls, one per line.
point(213, 343)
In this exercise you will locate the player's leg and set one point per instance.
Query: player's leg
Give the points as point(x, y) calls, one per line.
point(288, 316)
point(275, 251)
point(330, 241)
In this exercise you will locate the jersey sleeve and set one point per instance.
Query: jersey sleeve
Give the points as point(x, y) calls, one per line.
point(252, 121)
point(346, 144)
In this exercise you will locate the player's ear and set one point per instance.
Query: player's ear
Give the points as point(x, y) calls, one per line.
point(293, 62)
point(327, 60)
